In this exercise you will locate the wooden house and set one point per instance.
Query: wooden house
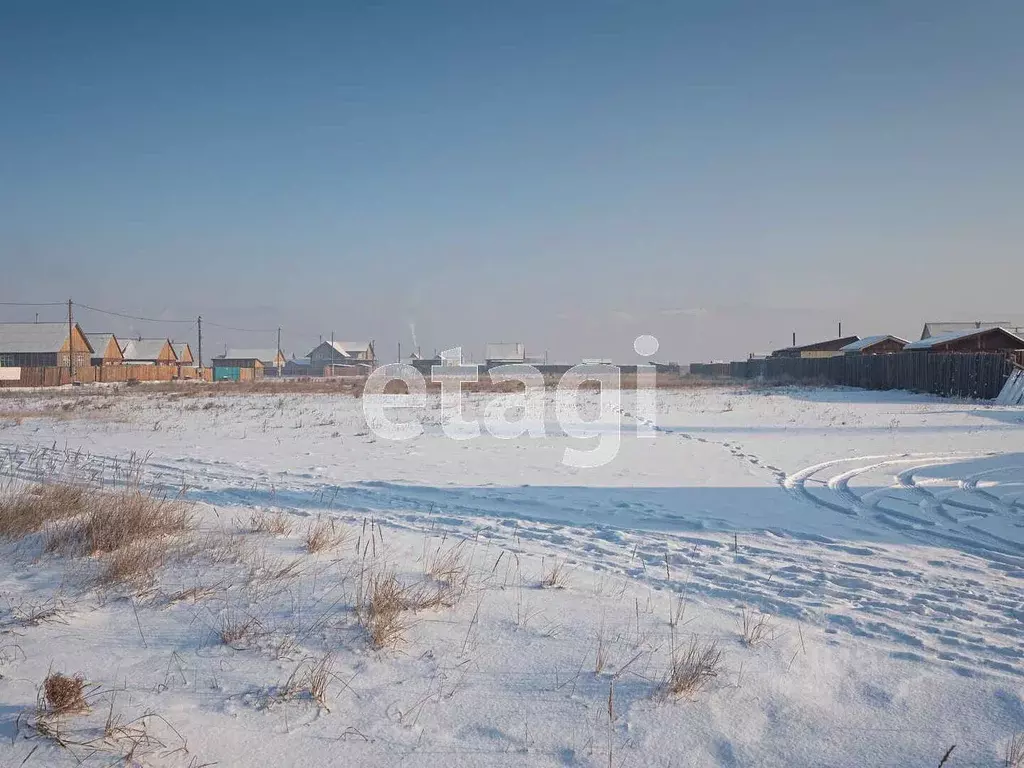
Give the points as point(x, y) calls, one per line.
point(346, 353)
point(149, 352)
point(184, 353)
point(942, 328)
point(229, 368)
point(106, 349)
point(43, 345)
point(830, 348)
point(975, 340)
point(875, 345)
point(270, 358)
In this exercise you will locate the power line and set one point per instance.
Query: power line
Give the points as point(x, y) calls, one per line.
point(125, 315)
point(129, 317)
point(158, 320)
point(242, 330)
point(31, 303)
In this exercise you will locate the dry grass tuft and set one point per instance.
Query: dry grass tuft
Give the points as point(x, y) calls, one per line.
point(115, 521)
point(277, 523)
point(318, 678)
point(1015, 752)
point(238, 631)
point(310, 677)
point(556, 577)
point(63, 695)
point(380, 610)
point(694, 669)
point(32, 509)
point(130, 528)
point(133, 565)
point(758, 628)
point(323, 535)
point(449, 566)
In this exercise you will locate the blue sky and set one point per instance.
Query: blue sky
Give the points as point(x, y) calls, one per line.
point(565, 174)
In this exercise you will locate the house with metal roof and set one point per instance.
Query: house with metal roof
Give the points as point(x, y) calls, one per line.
point(829, 348)
point(106, 349)
point(43, 345)
point(270, 358)
point(246, 364)
point(942, 328)
point(183, 352)
point(347, 353)
point(148, 352)
point(875, 345)
point(972, 340)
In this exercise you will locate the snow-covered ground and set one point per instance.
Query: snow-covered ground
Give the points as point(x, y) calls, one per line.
point(882, 532)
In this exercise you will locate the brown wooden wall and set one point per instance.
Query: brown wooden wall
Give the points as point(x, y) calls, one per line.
point(980, 375)
point(90, 374)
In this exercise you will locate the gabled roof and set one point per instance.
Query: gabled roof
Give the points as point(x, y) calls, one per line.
point(352, 347)
point(180, 348)
point(945, 338)
point(263, 355)
point(941, 328)
point(144, 349)
point(100, 342)
point(345, 348)
point(831, 345)
point(870, 341)
point(35, 337)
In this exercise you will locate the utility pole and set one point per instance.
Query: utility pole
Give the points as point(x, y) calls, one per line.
point(71, 343)
point(199, 324)
point(840, 329)
point(277, 353)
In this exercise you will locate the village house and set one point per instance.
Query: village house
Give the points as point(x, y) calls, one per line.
point(972, 340)
point(106, 349)
point(297, 366)
point(245, 367)
point(942, 328)
point(830, 348)
point(875, 345)
point(43, 345)
point(148, 352)
point(183, 352)
point(246, 364)
point(353, 355)
point(504, 353)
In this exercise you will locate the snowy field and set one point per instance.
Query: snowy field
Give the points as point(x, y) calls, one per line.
point(872, 543)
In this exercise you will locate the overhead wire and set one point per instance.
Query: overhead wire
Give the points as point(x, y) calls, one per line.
point(165, 320)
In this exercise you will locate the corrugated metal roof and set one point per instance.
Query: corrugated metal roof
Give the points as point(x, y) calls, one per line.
point(143, 349)
point(267, 356)
point(830, 345)
point(934, 341)
point(505, 350)
point(33, 337)
point(99, 342)
point(352, 347)
point(345, 348)
point(870, 341)
point(941, 328)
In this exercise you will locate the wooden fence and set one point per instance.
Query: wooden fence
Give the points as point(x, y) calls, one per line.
point(979, 375)
point(55, 377)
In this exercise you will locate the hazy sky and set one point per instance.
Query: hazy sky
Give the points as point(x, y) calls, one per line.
point(568, 175)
